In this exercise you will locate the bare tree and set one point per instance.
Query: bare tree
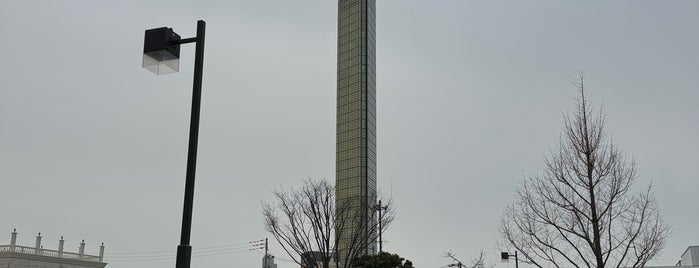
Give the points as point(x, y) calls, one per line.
point(306, 222)
point(476, 262)
point(581, 211)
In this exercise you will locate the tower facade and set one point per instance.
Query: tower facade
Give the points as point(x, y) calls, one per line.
point(356, 126)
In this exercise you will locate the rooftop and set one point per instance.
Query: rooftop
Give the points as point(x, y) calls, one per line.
point(38, 252)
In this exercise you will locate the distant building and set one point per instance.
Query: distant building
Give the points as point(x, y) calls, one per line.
point(355, 170)
point(268, 261)
point(689, 259)
point(16, 256)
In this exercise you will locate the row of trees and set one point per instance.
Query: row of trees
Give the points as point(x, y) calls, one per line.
point(580, 211)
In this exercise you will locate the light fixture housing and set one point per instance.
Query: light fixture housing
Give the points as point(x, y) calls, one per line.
point(504, 256)
point(161, 51)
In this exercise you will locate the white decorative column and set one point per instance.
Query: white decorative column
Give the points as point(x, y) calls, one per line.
point(81, 251)
point(60, 247)
point(37, 246)
point(13, 240)
point(102, 252)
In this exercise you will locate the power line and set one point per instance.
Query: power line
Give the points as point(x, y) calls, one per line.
point(173, 254)
point(206, 251)
point(171, 251)
point(156, 258)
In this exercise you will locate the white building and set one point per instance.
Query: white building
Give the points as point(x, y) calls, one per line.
point(689, 259)
point(267, 261)
point(17, 256)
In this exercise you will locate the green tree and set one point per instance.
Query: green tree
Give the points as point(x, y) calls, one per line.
point(382, 260)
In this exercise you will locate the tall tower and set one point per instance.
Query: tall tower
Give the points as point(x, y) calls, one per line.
point(356, 125)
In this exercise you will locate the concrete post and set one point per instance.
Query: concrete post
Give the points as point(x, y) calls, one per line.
point(60, 247)
point(37, 246)
point(102, 252)
point(13, 240)
point(81, 251)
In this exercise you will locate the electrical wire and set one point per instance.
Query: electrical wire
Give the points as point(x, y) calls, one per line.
point(174, 254)
point(201, 252)
point(157, 258)
point(242, 244)
point(170, 251)
point(275, 257)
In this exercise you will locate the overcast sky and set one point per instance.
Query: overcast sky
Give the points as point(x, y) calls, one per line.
point(470, 95)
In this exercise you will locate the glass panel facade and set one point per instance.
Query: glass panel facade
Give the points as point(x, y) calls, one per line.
point(356, 118)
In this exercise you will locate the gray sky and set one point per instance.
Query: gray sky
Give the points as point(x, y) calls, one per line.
point(470, 96)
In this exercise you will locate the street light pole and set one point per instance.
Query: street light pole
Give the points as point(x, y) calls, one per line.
point(161, 55)
point(184, 250)
point(506, 255)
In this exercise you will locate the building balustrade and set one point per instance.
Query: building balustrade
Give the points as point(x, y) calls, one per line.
point(47, 252)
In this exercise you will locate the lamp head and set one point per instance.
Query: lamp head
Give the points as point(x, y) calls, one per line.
point(504, 255)
point(161, 55)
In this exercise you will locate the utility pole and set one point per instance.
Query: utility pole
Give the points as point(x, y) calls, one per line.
point(379, 207)
point(266, 254)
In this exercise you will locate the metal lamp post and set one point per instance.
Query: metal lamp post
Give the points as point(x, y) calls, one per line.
point(161, 51)
point(506, 256)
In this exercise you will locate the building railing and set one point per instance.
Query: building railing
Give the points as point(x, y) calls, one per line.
point(48, 253)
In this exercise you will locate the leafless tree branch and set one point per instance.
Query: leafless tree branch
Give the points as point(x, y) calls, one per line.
point(581, 211)
point(306, 222)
